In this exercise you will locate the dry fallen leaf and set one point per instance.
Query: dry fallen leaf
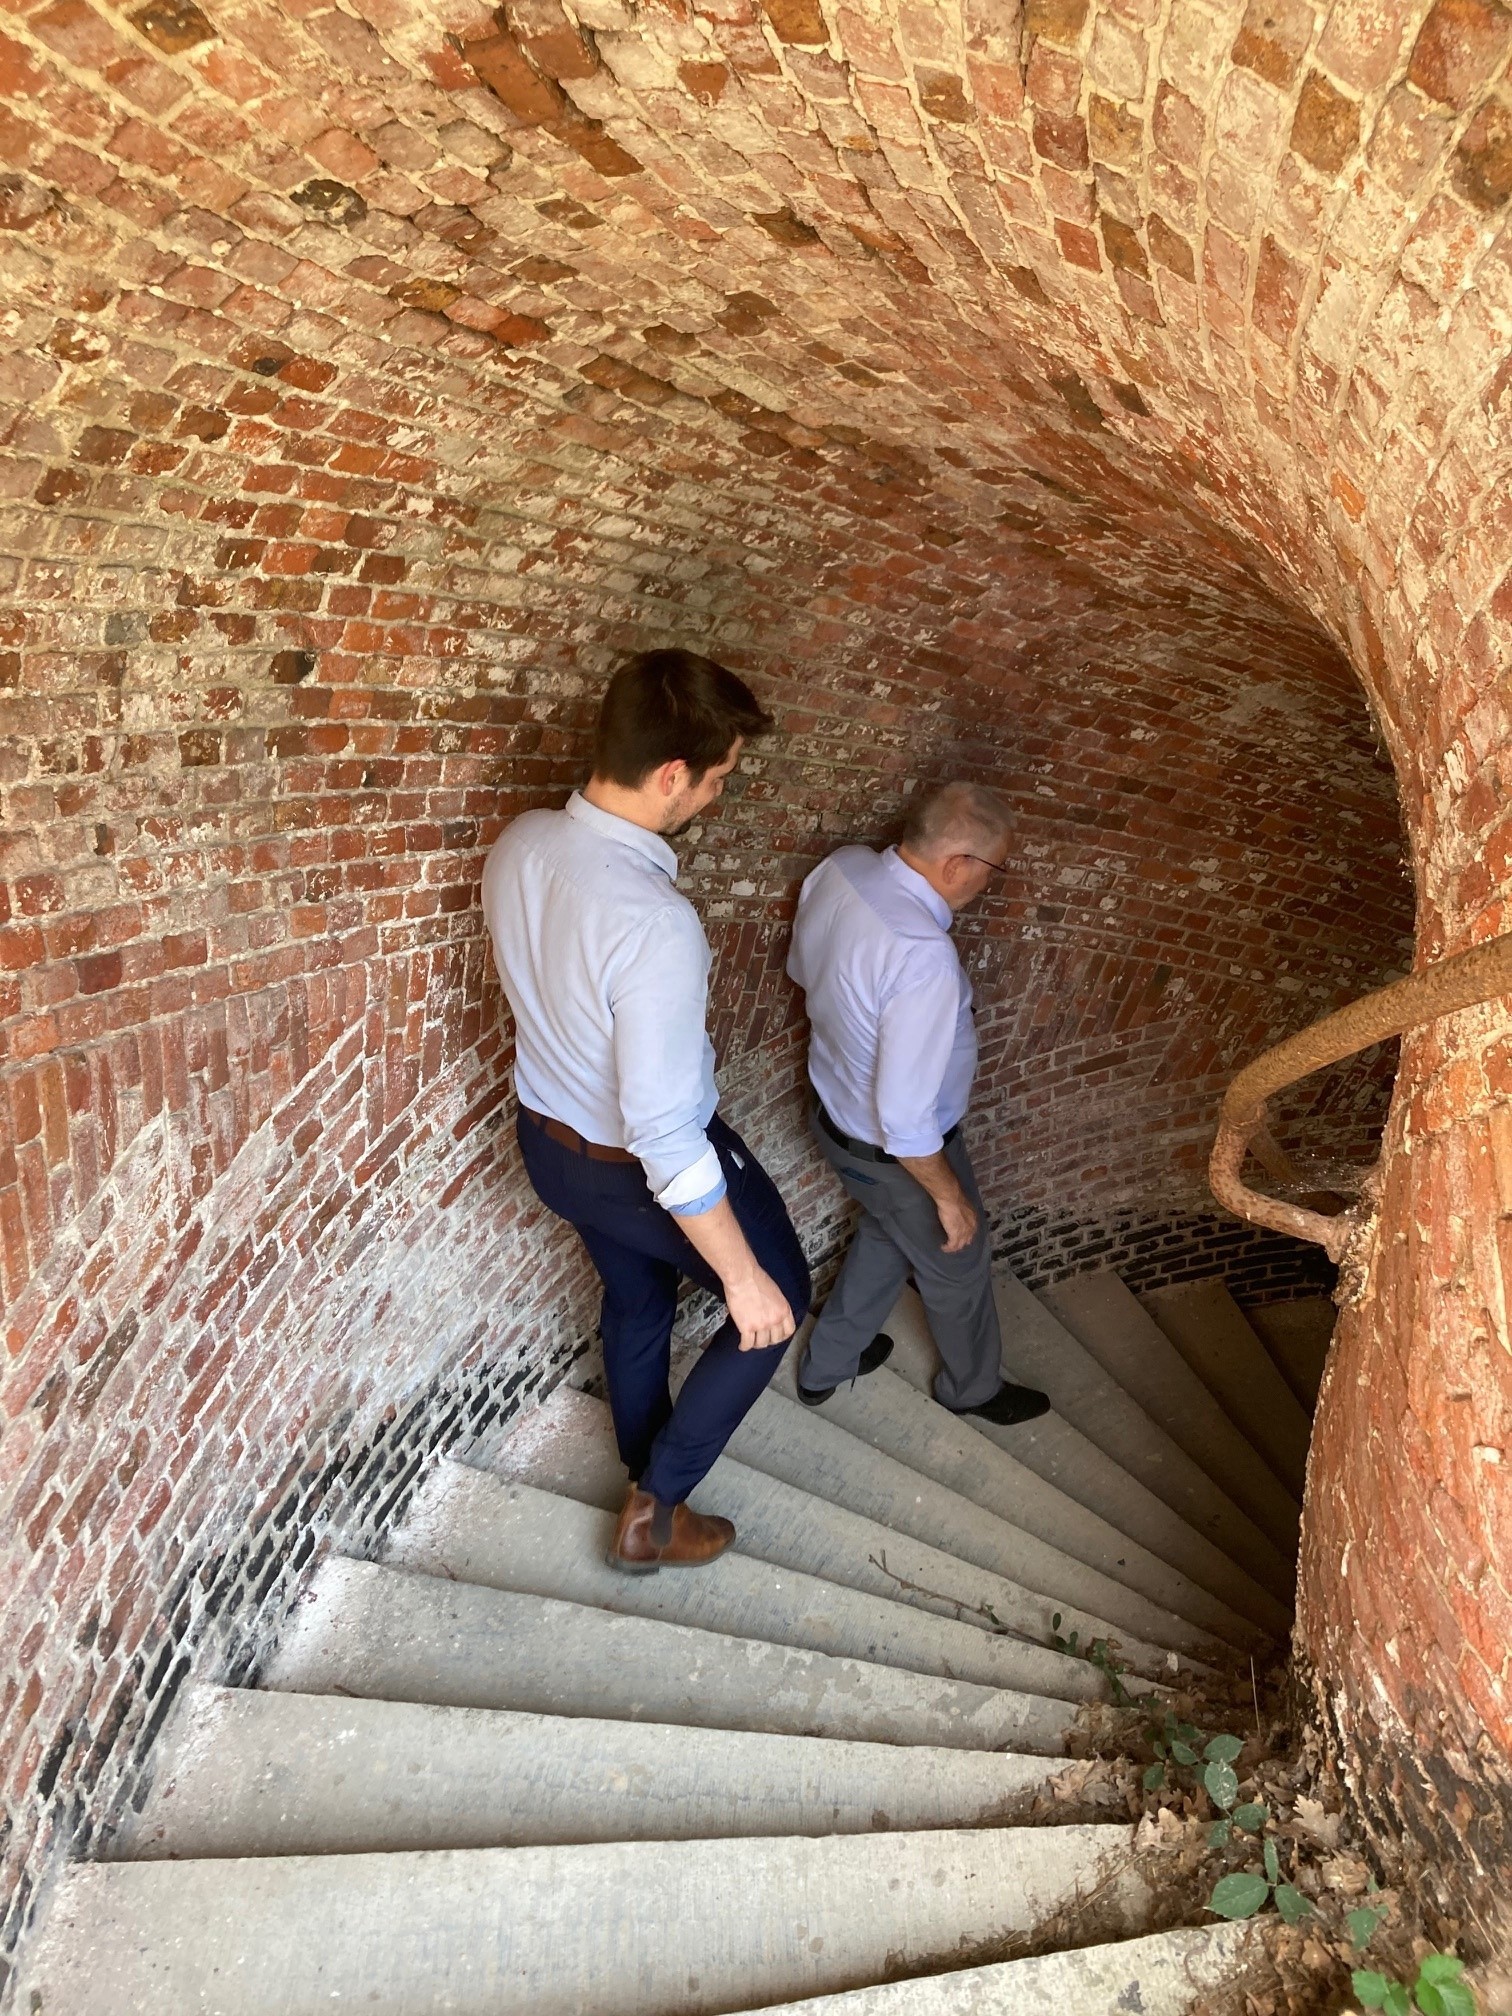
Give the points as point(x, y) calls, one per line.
point(1347, 1874)
point(1313, 1819)
point(1159, 1833)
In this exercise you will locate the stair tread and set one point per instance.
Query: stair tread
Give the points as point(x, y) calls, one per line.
point(886, 1412)
point(1110, 1322)
point(570, 1449)
point(431, 1803)
point(554, 1931)
point(803, 1448)
point(1055, 1449)
point(477, 1526)
point(1298, 1336)
point(1161, 1974)
point(245, 1773)
point(1046, 1354)
point(367, 1629)
point(1209, 1329)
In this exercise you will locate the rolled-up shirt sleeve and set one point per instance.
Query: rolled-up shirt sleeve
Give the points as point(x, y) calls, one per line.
point(915, 1036)
point(658, 996)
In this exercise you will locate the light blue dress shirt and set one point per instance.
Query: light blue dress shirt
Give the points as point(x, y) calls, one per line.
point(894, 1047)
point(606, 968)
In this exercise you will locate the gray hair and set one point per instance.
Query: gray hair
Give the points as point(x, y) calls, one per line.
point(956, 819)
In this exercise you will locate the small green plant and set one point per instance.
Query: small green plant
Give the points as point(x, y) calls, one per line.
point(1101, 1653)
point(1437, 1991)
point(1364, 1922)
point(1177, 1747)
point(1221, 1783)
point(1112, 1668)
point(1176, 1743)
point(1242, 1895)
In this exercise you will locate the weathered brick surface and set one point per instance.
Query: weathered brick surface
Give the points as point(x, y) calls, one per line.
point(1091, 397)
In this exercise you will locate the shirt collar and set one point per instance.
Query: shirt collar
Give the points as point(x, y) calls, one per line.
point(625, 832)
point(917, 887)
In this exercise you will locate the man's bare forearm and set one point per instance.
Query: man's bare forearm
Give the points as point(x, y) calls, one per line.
point(717, 1236)
point(755, 1302)
point(937, 1177)
point(957, 1214)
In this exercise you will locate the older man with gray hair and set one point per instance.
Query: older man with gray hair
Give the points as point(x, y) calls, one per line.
point(891, 1060)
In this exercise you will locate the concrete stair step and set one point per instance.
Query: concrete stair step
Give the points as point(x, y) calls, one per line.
point(805, 1449)
point(482, 1528)
point(363, 1629)
point(1297, 1335)
point(1064, 1457)
point(1108, 1320)
point(888, 1414)
point(1083, 1394)
point(1162, 1974)
point(1209, 1329)
point(559, 1931)
point(568, 1447)
point(240, 1773)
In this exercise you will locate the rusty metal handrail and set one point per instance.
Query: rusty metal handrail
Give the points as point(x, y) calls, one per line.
point(1464, 981)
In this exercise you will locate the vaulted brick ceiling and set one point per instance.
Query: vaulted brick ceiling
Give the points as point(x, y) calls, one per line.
point(1036, 392)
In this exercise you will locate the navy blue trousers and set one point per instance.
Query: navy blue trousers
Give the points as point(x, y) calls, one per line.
point(641, 1253)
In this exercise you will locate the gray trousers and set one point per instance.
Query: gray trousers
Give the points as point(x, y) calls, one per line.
point(899, 1231)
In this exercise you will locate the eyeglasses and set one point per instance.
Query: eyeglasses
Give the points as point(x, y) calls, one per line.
point(997, 867)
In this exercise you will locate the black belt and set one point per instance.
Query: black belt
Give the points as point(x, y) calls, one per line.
point(864, 1151)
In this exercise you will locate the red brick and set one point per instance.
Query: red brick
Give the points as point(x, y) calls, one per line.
point(1460, 45)
point(1272, 38)
point(1279, 286)
point(1483, 160)
point(1326, 129)
point(503, 67)
point(796, 21)
point(1061, 140)
point(19, 76)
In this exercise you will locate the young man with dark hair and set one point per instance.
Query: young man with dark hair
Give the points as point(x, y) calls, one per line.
point(606, 969)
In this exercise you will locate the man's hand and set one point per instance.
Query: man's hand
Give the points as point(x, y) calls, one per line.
point(957, 1221)
point(958, 1215)
point(760, 1308)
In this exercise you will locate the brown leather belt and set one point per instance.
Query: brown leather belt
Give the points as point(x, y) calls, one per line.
point(558, 1130)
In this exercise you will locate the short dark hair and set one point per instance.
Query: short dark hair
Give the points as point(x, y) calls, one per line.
point(671, 706)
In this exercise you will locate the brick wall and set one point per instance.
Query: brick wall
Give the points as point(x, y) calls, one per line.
point(1103, 400)
point(1406, 1592)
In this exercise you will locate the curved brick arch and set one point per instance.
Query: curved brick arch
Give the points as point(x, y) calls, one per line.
point(1095, 398)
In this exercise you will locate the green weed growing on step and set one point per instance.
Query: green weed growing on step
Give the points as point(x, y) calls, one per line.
point(1221, 1783)
point(1364, 1922)
point(1437, 1991)
point(1179, 1747)
point(1242, 1894)
point(1175, 1744)
point(1101, 1653)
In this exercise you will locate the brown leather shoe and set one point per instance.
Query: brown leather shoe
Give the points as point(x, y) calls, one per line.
point(651, 1536)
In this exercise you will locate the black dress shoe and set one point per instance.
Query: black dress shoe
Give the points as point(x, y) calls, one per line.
point(1009, 1405)
point(876, 1353)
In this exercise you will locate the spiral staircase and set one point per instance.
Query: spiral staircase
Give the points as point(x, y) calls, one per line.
point(486, 1773)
